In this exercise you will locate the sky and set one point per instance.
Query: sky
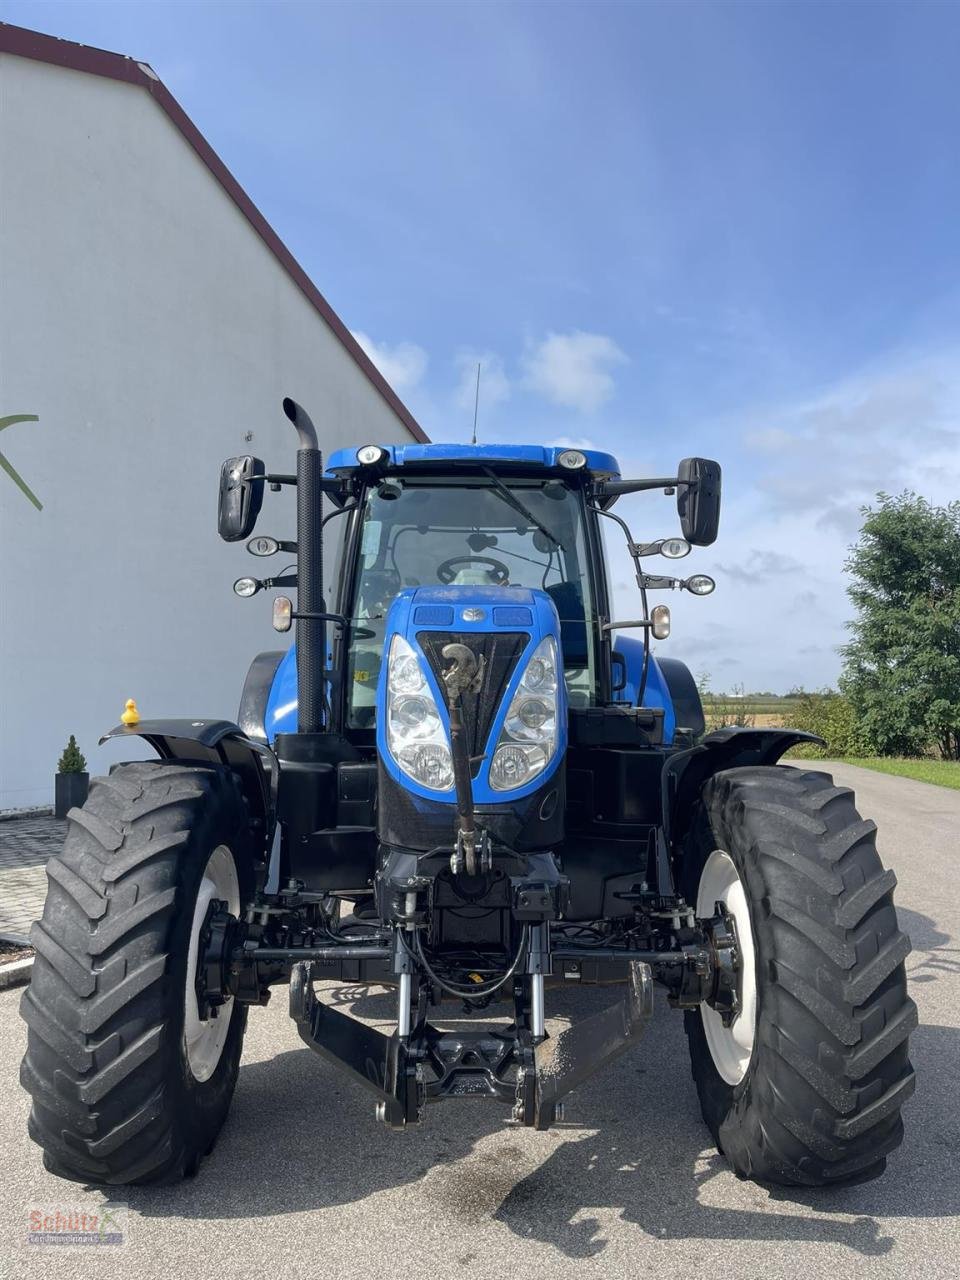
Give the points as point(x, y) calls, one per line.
point(662, 229)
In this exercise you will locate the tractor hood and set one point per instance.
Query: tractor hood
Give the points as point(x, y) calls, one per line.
point(514, 634)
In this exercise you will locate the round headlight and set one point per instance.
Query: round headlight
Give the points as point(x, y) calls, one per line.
point(540, 674)
point(370, 454)
point(701, 584)
point(674, 548)
point(411, 712)
point(533, 712)
point(572, 459)
point(429, 763)
point(246, 586)
point(513, 765)
point(660, 621)
point(405, 674)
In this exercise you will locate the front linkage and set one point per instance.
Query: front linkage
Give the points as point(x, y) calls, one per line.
point(294, 937)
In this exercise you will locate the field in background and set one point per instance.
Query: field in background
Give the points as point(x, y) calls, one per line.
point(942, 773)
point(756, 711)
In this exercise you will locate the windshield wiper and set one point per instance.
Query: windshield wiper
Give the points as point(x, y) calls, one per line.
point(511, 498)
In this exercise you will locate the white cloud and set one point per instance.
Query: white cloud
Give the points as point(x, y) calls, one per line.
point(573, 369)
point(891, 428)
point(576, 442)
point(403, 365)
point(494, 383)
point(792, 508)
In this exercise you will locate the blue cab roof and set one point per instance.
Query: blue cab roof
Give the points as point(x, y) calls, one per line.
point(499, 456)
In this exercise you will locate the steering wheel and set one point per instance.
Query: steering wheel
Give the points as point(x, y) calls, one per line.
point(447, 571)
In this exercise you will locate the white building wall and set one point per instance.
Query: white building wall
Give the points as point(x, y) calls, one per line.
point(149, 328)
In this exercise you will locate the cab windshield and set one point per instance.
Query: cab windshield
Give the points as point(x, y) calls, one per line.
point(497, 531)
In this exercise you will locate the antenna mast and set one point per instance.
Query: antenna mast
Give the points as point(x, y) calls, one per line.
point(476, 405)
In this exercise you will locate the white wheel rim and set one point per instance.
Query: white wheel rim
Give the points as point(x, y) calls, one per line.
point(204, 1038)
point(730, 1047)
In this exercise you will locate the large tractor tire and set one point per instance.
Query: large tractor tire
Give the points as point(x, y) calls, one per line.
point(805, 1087)
point(129, 1085)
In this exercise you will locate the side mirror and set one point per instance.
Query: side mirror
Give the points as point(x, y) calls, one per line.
point(241, 497)
point(698, 500)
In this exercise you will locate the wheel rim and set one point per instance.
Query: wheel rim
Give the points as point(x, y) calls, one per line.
point(204, 1038)
point(730, 1047)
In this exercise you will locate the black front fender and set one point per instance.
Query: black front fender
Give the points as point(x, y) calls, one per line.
point(215, 742)
point(686, 771)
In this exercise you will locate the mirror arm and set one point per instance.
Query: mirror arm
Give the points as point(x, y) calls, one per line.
point(622, 626)
point(329, 484)
point(614, 488)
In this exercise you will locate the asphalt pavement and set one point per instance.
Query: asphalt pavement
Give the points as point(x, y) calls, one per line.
point(304, 1183)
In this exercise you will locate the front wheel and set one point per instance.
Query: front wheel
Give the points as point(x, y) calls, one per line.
point(131, 1079)
point(805, 1084)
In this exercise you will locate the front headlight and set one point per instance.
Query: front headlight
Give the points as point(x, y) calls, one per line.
point(528, 739)
point(415, 734)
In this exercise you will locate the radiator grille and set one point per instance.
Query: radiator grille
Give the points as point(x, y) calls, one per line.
point(501, 651)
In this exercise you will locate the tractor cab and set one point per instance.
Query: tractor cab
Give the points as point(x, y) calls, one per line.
point(503, 522)
point(505, 516)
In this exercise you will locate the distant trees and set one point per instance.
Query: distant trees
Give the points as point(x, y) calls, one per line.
point(901, 670)
point(900, 685)
point(830, 716)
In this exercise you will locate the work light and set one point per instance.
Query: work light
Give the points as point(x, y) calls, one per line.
point(674, 548)
point(572, 459)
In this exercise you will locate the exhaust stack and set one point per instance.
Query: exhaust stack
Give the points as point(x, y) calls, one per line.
point(311, 630)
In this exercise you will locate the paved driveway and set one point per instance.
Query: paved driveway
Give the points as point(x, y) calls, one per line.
point(304, 1183)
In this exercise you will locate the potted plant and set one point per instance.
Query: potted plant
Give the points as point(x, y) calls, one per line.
point(72, 781)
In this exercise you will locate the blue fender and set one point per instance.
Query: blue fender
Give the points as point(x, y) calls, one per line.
point(655, 694)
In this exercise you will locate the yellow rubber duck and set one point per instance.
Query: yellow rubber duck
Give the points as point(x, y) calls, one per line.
point(130, 715)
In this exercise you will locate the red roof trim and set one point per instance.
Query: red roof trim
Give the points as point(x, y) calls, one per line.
point(23, 43)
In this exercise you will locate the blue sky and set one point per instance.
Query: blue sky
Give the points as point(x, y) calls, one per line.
point(666, 229)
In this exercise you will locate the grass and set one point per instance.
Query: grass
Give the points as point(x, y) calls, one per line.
point(942, 773)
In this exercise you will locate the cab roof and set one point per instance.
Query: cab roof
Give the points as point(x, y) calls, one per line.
point(501, 457)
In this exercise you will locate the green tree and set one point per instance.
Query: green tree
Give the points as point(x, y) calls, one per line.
point(72, 760)
point(902, 666)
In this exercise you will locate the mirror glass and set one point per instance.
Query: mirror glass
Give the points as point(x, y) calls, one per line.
point(241, 496)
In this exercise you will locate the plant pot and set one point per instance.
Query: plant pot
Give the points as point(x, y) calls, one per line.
point(70, 792)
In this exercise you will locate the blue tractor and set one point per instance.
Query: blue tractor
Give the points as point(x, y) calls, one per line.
point(470, 783)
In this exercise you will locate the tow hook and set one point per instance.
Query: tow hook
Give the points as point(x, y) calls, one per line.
point(465, 674)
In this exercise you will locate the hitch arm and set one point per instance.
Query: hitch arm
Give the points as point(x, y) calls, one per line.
point(378, 1062)
point(568, 1059)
